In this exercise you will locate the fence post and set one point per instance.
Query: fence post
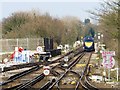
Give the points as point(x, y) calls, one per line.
point(0, 50)
point(7, 45)
point(27, 43)
point(17, 42)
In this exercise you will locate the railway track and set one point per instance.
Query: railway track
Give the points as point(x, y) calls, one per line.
point(87, 83)
point(56, 77)
point(25, 73)
point(37, 81)
point(71, 65)
point(21, 74)
point(55, 84)
point(22, 77)
point(20, 66)
point(83, 80)
point(53, 81)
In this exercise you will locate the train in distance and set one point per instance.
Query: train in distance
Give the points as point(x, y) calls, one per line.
point(88, 44)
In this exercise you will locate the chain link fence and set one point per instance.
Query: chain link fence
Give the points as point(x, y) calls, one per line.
point(8, 45)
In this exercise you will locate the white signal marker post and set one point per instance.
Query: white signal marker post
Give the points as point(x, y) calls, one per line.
point(46, 70)
point(66, 59)
point(117, 72)
point(16, 54)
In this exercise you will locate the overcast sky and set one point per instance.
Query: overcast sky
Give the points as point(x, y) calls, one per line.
point(56, 8)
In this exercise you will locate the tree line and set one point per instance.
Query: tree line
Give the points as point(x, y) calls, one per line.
point(33, 24)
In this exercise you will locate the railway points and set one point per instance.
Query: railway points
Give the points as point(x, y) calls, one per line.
point(70, 70)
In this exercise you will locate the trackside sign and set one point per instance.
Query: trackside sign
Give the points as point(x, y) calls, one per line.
point(108, 60)
point(111, 53)
point(46, 70)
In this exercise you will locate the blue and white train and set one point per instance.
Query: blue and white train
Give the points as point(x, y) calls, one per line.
point(88, 44)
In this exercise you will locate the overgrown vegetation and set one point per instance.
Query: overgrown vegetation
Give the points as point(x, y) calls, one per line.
point(109, 23)
point(33, 24)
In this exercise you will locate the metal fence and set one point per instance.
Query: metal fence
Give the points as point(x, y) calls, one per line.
point(8, 45)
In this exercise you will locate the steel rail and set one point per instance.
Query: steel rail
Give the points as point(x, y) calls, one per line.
point(88, 85)
point(14, 67)
point(41, 76)
point(30, 83)
point(82, 80)
point(82, 75)
point(19, 75)
point(49, 87)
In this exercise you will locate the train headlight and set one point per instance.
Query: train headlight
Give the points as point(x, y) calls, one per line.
point(88, 44)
